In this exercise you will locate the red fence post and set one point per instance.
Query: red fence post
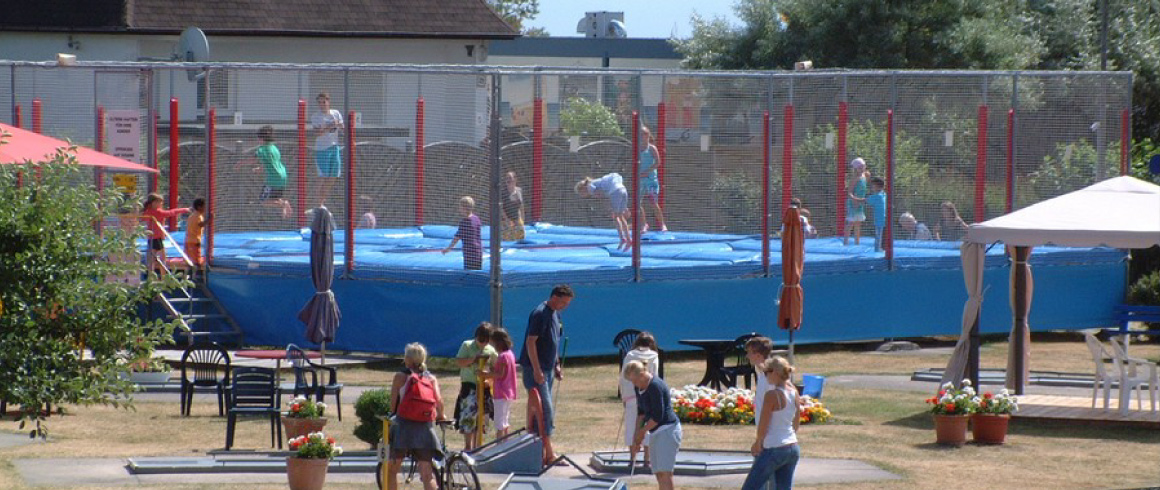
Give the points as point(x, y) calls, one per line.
point(174, 159)
point(36, 115)
point(661, 126)
point(419, 154)
point(17, 121)
point(766, 190)
point(787, 159)
point(350, 193)
point(100, 144)
point(842, 121)
point(211, 180)
point(303, 193)
point(1010, 160)
point(634, 199)
point(537, 159)
point(981, 168)
point(1125, 140)
point(889, 232)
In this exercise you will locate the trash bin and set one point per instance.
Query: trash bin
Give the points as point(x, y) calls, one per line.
point(812, 385)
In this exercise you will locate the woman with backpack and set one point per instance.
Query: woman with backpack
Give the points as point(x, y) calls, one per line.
point(418, 404)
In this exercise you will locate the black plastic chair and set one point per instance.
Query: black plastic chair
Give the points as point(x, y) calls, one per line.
point(254, 391)
point(307, 376)
point(204, 365)
point(743, 369)
point(623, 342)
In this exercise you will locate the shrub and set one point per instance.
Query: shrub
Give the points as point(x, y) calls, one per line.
point(1146, 290)
point(740, 199)
point(584, 118)
point(371, 405)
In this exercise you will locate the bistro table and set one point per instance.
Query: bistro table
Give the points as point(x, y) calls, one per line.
point(716, 351)
point(277, 355)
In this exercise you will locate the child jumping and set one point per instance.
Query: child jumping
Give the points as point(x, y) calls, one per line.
point(271, 161)
point(855, 201)
point(503, 374)
point(513, 209)
point(650, 185)
point(471, 352)
point(612, 187)
point(195, 223)
point(877, 202)
point(469, 232)
point(153, 214)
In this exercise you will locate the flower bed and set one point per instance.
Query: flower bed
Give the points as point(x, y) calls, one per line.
point(701, 405)
point(813, 412)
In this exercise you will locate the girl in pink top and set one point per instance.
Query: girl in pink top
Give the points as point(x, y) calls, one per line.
point(504, 373)
point(153, 215)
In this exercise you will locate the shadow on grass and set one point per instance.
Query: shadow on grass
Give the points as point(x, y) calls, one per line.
point(1045, 429)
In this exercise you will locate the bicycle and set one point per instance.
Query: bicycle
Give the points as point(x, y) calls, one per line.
point(455, 470)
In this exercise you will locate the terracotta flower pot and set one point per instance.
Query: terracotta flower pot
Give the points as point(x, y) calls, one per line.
point(950, 430)
point(306, 473)
point(296, 427)
point(988, 428)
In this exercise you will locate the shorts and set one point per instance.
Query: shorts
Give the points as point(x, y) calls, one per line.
point(619, 200)
point(650, 188)
point(270, 193)
point(503, 410)
point(465, 408)
point(665, 441)
point(513, 232)
point(329, 162)
point(193, 250)
point(157, 244)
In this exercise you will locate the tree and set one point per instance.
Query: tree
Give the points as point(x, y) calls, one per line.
point(56, 301)
point(515, 12)
point(939, 34)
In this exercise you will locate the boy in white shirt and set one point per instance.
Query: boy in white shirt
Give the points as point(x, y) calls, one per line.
point(327, 123)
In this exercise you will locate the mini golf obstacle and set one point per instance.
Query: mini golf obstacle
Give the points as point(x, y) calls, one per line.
point(245, 462)
point(538, 481)
point(517, 452)
point(690, 462)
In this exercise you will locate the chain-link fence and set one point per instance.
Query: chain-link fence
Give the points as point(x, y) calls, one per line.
point(711, 159)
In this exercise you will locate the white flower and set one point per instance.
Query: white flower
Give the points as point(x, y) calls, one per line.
point(299, 399)
point(1004, 392)
point(966, 382)
point(338, 450)
point(320, 405)
point(948, 386)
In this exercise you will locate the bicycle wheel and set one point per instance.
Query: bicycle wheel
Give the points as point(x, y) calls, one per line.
point(379, 475)
point(458, 474)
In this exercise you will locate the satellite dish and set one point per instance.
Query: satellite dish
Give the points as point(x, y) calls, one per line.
point(616, 29)
point(192, 47)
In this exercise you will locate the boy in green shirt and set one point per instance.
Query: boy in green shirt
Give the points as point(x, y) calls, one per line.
point(468, 357)
point(271, 160)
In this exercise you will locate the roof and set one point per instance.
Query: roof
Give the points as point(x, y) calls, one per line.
point(22, 146)
point(328, 18)
point(586, 47)
point(1122, 212)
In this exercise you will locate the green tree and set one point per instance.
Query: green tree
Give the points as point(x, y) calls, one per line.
point(584, 118)
point(516, 12)
point(55, 299)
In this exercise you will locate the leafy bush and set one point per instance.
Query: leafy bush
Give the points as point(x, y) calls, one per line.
point(1072, 166)
point(371, 405)
point(1146, 290)
point(740, 198)
point(584, 118)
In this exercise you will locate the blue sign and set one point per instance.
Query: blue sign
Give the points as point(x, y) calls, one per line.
point(1154, 165)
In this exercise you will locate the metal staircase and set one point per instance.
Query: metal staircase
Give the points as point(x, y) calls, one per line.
point(199, 314)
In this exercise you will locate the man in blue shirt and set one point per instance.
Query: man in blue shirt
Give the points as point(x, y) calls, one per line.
point(539, 357)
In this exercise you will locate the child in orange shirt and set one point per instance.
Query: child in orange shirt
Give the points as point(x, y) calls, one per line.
point(195, 223)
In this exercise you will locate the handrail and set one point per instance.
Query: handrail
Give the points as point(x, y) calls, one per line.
point(188, 263)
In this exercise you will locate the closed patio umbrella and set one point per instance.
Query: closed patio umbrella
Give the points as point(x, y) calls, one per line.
point(789, 306)
point(321, 314)
point(959, 366)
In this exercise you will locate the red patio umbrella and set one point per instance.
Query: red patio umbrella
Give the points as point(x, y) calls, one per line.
point(789, 306)
point(22, 145)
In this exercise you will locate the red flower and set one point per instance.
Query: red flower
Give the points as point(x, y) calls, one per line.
point(295, 407)
point(987, 395)
point(942, 392)
point(950, 407)
point(330, 440)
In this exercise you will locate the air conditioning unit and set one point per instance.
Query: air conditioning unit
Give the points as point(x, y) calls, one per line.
point(603, 25)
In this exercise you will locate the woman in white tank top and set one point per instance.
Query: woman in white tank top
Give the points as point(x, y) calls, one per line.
point(775, 451)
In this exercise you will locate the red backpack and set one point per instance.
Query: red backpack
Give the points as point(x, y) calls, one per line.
point(418, 403)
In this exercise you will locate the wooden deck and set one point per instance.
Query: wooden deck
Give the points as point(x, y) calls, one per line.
point(1072, 408)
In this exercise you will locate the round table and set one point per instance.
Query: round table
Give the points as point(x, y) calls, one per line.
point(716, 350)
point(277, 355)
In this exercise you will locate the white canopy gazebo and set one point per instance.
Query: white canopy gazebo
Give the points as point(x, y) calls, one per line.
point(1122, 212)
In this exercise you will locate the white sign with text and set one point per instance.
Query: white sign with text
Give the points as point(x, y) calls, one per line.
point(124, 133)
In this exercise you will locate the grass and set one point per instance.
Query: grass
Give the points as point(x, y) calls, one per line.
point(888, 429)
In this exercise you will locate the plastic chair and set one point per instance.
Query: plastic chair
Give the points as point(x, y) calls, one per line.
point(1103, 378)
point(743, 369)
point(254, 392)
point(204, 365)
point(1134, 374)
point(306, 377)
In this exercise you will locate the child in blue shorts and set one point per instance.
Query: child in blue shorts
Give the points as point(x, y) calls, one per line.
point(327, 123)
point(877, 202)
point(612, 187)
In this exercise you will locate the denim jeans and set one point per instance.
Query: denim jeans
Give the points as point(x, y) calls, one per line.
point(545, 390)
point(773, 465)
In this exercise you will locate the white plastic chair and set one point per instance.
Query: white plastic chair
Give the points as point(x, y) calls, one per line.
point(1104, 377)
point(1134, 373)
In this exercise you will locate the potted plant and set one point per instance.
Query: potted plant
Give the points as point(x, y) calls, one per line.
point(146, 369)
point(306, 468)
point(989, 422)
point(951, 408)
point(303, 417)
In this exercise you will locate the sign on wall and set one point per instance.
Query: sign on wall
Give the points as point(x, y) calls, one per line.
point(125, 134)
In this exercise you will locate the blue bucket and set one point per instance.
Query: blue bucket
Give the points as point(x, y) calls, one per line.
point(812, 385)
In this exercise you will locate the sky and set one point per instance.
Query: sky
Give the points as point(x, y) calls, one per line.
point(643, 18)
